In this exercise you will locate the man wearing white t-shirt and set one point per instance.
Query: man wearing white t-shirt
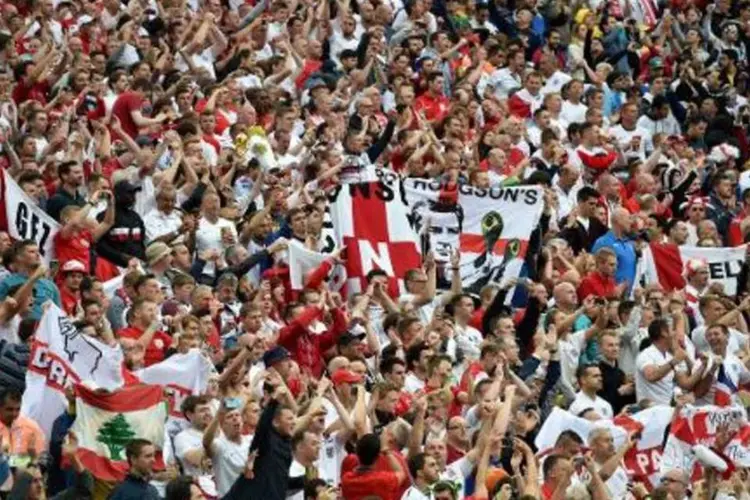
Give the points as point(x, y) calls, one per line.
point(725, 373)
point(573, 110)
point(229, 450)
point(417, 357)
point(188, 444)
point(213, 232)
point(713, 310)
point(663, 366)
point(468, 338)
point(590, 381)
point(424, 469)
point(609, 462)
point(633, 140)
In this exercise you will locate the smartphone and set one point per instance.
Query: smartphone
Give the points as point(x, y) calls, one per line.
point(54, 266)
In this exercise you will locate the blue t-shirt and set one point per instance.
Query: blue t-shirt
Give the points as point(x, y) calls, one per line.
point(627, 260)
point(44, 290)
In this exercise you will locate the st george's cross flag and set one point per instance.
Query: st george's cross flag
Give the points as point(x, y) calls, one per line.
point(641, 462)
point(107, 421)
point(370, 220)
point(303, 262)
point(695, 427)
point(180, 375)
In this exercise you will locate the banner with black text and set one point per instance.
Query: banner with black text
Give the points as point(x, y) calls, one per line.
point(26, 220)
point(490, 227)
point(665, 264)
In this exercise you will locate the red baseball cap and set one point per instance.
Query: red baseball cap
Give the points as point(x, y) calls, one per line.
point(344, 376)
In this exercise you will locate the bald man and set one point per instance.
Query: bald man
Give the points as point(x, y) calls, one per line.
point(566, 298)
point(619, 239)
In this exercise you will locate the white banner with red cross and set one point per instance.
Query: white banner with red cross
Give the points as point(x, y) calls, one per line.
point(642, 462)
point(370, 220)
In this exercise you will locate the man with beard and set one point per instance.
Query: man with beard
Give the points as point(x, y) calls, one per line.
point(590, 381)
point(71, 179)
point(125, 240)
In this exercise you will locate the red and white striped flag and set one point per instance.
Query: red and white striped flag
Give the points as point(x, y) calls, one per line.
point(107, 421)
point(665, 264)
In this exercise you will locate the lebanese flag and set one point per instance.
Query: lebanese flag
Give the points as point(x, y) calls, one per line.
point(641, 462)
point(107, 421)
point(664, 263)
point(522, 104)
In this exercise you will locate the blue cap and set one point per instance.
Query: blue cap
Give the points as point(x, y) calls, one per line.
point(275, 355)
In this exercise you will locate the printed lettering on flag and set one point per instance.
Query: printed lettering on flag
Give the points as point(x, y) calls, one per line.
point(370, 220)
point(107, 421)
point(665, 264)
point(491, 227)
point(25, 220)
point(642, 462)
point(697, 425)
point(61, 357)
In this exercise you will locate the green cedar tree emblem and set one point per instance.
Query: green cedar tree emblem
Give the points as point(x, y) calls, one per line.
point(115, 434)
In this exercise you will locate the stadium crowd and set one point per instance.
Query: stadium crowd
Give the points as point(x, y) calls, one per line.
point(132, 125)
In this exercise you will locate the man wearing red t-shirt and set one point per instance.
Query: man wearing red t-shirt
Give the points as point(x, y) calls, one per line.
point(129, 108)
point(433, 103)
point(142, 327)
point(601, 283)
point(365, 479)
point(74, 240)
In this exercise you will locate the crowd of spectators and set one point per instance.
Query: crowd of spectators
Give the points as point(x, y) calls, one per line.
point(128, 124)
